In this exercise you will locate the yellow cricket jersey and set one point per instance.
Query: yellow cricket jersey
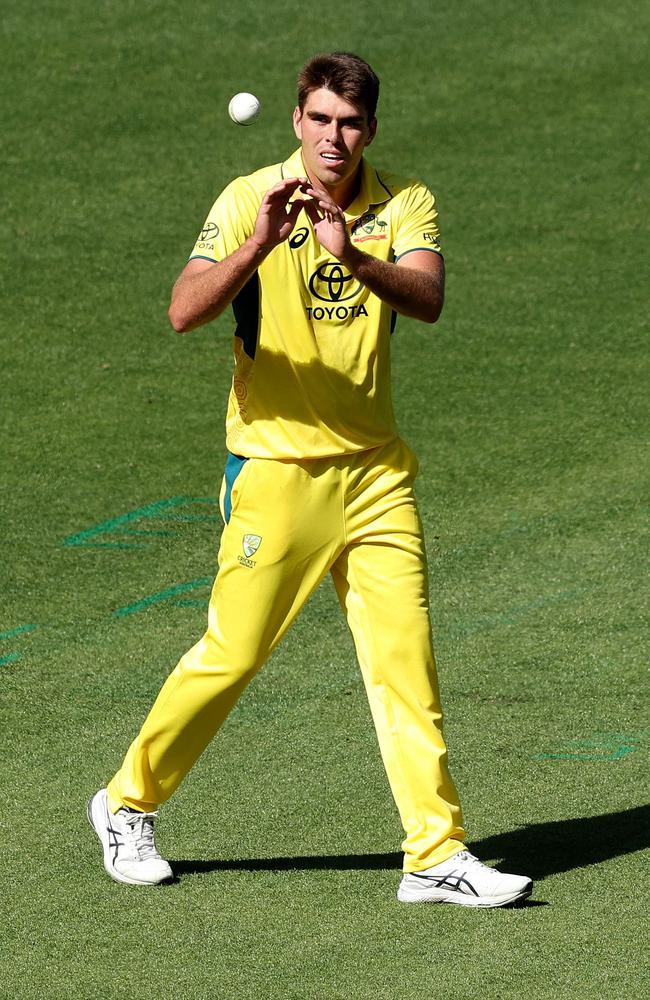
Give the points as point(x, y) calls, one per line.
point(312, 344)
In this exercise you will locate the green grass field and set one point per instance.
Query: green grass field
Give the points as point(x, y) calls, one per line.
point(528, 407)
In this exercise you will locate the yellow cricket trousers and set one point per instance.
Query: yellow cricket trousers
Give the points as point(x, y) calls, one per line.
point(288, 524)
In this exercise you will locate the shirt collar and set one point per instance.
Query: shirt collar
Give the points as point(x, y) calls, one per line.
point(372, 191)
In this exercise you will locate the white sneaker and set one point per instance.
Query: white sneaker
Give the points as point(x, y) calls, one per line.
point(130, 853)
point(463, 879)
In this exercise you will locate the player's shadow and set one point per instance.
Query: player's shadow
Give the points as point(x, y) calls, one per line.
point(538, 850)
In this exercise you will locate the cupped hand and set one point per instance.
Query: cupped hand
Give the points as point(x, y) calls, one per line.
point(328, 221)
point(276, 217)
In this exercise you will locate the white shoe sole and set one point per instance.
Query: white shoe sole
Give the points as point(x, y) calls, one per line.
point(405, 895)
point(99, 817)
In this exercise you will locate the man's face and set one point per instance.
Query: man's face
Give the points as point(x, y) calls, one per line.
point(334, 134)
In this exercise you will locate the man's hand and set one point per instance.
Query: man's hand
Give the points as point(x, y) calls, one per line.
point(412, 287)
point(203, 289)
point(275, 220)
point(328, 221)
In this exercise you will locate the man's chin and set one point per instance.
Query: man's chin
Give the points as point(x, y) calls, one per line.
point(333, 177)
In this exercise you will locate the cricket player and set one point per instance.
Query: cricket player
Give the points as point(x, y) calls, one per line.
point(316, 255)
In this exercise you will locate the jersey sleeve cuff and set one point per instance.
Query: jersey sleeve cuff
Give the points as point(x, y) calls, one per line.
point(415, 249)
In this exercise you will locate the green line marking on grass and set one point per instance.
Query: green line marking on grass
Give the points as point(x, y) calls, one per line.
point(21, 630)
point(10, 658)
point(190, 602)
point(601, 747)
point(12, 633)
point(96, 537)
point(166, 595)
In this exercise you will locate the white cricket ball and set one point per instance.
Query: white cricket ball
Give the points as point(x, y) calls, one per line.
point(244, 109)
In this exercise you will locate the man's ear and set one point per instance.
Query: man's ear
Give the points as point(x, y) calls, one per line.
point(297, 122)
point(372, 130)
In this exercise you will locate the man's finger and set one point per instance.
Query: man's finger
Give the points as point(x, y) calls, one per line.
point(329, 207)
point(312, 211)
point(294, 212)
point(321, 197)
point(284, 188)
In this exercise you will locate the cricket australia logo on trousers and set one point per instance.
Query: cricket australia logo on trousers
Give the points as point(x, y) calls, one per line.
point(250, 545)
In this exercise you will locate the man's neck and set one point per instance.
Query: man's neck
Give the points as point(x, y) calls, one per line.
point(343, 194)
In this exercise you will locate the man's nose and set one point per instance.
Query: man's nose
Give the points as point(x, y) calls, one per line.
point(334, 131)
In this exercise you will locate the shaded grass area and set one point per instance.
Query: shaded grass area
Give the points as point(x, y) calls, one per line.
point(527, 405)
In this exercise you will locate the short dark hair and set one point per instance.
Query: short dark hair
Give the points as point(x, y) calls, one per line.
point(345, 74)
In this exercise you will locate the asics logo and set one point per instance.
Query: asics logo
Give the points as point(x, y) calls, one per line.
point(457, 883)
point(114, 841)
point(298, 238)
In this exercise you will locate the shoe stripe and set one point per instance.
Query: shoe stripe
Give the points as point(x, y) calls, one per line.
point(113, 842)
point(115, 839)
point(457, 883)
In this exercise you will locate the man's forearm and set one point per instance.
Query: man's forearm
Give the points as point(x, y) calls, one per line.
point(201, 297)
point(408, 291)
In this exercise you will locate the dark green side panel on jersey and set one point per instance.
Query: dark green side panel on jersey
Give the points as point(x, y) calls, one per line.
point(234, 465)
point(246, 307)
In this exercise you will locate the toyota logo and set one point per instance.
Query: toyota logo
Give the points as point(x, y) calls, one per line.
point(209, 232)
point(333, 283)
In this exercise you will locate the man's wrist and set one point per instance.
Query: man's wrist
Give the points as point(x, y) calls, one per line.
point(259, 251)
point(352, 257)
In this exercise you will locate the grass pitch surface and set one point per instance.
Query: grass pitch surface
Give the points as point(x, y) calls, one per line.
point(527, 405)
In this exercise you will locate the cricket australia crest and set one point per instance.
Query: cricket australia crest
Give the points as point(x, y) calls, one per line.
point(250, 545)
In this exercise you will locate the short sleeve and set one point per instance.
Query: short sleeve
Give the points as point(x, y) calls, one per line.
point(417, 227)
point(230, 222)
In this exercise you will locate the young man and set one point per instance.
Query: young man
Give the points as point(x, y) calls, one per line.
point(316, 255)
